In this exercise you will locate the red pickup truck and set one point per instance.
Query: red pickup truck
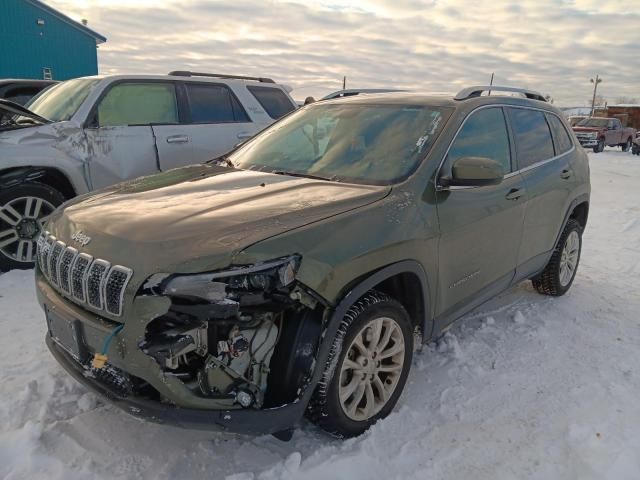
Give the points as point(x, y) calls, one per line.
point(598, 132)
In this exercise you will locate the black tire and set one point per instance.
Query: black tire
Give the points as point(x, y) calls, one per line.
point(627, 145)
point(325, 409)
point(549, 281)
point(600, 147)
point(51, 199)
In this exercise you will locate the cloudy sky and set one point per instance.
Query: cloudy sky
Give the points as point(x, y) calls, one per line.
point(553, 46)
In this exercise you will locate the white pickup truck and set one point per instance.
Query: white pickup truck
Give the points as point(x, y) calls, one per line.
point(92, 132)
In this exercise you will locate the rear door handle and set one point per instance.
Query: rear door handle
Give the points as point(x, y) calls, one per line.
point(566, 174)
point(178, 139)
point(245, 135)
point(515, 194)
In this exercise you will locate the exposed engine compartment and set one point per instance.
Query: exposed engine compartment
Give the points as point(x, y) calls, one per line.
point(247, 338)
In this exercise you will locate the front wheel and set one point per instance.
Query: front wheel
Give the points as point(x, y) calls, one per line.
point(600, 147)
point(24, 209)
point(367, 367)
point(558, 275)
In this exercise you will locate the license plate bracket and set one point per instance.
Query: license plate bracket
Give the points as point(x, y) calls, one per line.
point(68, 334)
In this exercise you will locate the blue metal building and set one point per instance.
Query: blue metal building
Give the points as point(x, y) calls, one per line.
point(37, 41)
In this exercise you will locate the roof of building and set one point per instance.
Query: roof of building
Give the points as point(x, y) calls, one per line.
point(39, 4)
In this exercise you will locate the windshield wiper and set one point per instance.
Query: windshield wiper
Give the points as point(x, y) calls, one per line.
point(334, 178)
point(221, 161)
point(27, 121)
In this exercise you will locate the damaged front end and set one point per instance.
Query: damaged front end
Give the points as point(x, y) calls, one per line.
point(246, 337)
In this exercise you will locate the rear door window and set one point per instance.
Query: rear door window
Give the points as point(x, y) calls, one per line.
point(532, 136)
point(214, 104)
point(484, 134)
point(138, 104)
point(561, 137)
point(273, 100)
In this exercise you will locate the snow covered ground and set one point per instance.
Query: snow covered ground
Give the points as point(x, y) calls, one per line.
point(524, 387)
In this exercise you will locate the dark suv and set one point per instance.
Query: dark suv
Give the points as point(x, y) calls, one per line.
point(293, 275)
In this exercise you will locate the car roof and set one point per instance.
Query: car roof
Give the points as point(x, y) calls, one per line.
point(439, 100)
point(195, 78)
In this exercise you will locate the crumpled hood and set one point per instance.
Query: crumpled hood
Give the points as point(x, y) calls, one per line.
point(198, 217)
point(12, 108)
point(30, 135)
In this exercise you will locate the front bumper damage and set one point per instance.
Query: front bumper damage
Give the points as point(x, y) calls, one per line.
point(247, 421)
point(132, 373)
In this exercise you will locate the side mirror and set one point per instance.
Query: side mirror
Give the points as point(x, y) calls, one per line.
point(474, 172)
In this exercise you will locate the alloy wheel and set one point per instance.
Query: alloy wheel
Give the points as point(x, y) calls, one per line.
point(371, 368)
point(569, 258)
point(21, 221)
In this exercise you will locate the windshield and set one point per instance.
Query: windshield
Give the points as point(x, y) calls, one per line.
point(60, 102)
point(593, 122)
point(355, 143)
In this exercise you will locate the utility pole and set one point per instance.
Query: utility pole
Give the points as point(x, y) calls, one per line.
point(595, 82)
point(344, 82)
point(490, 83)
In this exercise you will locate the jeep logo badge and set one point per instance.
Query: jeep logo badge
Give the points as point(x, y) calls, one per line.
point(81, 238)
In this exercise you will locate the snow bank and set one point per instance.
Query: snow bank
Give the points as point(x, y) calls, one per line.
point(524, 387)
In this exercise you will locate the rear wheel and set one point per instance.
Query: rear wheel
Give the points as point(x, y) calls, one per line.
point(627, 145)
point(24, 209)
point(373, 347)
point(558, 275)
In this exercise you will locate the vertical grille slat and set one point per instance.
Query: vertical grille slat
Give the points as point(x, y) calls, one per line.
point(54, 256)
point(114, 289)
point(94, 283)
point(41, 252)
point(78, 271)
point(46, 253)
point(64, 268)
point(96, 276)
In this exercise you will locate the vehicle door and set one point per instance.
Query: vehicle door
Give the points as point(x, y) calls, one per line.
point(610, 135)
point(214, 122)
point(618, 132)
point(481, 227)
point(121, 143)
point(543, 162)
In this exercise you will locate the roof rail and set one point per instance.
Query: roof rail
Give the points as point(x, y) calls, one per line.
point(186, 73)
point(350, 92)
point(476, 91)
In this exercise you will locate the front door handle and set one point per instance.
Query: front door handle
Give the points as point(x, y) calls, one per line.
point(566, 174)
point(245, 135)
point(515, 194)
point(178, 139)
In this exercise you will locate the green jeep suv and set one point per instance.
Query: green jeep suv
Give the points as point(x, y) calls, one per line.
point(295, 275)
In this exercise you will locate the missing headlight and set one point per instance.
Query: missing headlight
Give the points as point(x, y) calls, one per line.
point(214, 287)
point(241, 313)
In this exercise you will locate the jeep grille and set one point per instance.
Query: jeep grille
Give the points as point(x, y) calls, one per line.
point(91, 282)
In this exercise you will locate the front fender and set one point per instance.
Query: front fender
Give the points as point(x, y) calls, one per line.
point(33, 148)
